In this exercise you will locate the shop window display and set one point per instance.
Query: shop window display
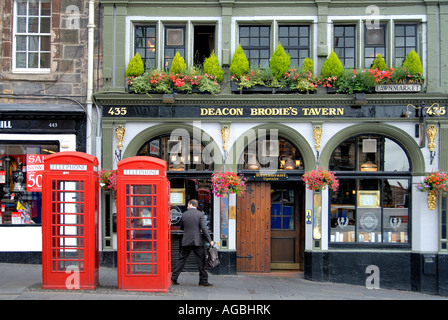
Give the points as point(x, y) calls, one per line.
point(21, 167)
point(372, 202)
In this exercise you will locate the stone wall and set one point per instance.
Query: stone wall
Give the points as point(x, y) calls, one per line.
point(68, 76)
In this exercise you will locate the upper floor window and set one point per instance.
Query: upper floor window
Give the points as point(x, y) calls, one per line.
point(256, 41)
point(145, 44)
point(174, 42)
point(374, 44)
point(345, 44)
point(32, 35)
point(296, 42)
point(405, 40)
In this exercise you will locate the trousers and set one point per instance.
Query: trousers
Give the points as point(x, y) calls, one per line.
point(199, 253)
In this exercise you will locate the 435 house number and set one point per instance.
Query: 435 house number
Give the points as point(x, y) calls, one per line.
point(117, 111)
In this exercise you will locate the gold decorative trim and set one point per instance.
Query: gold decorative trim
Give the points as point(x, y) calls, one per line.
point(431, 132)
point(119, 133)
point(317, 133)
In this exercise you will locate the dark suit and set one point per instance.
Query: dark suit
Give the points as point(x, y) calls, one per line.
point(192, 222)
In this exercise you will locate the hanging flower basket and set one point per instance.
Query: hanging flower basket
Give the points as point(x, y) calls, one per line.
point(224, 183)
point(319, 179)
point(433, 184)
point(108, 179)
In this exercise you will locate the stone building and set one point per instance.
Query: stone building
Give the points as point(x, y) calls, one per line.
point(45, 106)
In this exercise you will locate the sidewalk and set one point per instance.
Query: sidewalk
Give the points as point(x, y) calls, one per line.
point(23, 282)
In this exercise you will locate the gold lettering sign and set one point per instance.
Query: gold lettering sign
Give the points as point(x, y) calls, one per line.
point(273, 112)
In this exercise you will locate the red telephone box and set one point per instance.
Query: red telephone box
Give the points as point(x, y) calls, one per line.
point(143, 225)
point(70, 256)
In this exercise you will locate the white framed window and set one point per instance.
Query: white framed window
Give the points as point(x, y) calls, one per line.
point(158, 39)
point(32, 36)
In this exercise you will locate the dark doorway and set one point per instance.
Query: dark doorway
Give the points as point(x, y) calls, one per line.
point(204, 43)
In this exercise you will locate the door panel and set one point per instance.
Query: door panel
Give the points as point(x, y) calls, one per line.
point(286, 226)
point(253, 228)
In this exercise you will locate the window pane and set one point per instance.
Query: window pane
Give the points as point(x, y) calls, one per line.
point(33, 60)
point(21, 8)
point(45, 60)
point(21, 60)
point(21, 43)
point(33, 44)
point(33, 8)
point(45, 25)
point(343, 212)
point(46, 9)
point(33, 25)
point(21, 25)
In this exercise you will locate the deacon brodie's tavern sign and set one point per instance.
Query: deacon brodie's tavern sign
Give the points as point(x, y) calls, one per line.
point(201, 112)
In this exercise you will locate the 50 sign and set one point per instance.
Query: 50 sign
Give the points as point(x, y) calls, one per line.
point(34, 169)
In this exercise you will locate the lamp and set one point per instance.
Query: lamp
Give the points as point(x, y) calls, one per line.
point(252, 163)
point(369, 166)
point(286, 163)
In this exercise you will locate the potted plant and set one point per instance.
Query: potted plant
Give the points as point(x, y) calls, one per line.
point(352, 81)
point(434, 184)
point(297, 79)
point(331, 68)
point(239, 66)
point(279, 62)
point(319, 179)
point(108, 179)
point(212, 67)
point(178, 64)
point(225, 182)
point(135, 68)
point(379, 63)
point(412, 63)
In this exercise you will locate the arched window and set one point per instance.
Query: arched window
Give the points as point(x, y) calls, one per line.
point(190, 165)
point(272, 154)
point(182, 153)
point(373, 199)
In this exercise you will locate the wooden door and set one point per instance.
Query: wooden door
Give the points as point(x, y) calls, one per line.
point(253, 228)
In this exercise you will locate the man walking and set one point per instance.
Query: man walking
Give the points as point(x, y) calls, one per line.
point(193, 222)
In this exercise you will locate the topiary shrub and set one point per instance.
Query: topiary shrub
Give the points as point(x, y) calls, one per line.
point(412, 63)
point(178, 65)
point(135, 67)
point(239, 64)
point(379, 63)
point(308, 65)
point(280, 62)
point(211, 66)
point(332, 66)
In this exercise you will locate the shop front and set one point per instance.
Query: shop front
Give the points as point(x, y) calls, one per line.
point(378, 151)
point(27, 136)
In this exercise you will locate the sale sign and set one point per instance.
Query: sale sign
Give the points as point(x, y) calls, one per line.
point(34, 170)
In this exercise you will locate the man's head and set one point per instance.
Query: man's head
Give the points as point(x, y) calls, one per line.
point(192, 204)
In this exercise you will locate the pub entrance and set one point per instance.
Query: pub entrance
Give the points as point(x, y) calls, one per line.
point(270, 227)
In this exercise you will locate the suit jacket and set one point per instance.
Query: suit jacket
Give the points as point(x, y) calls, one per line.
point(193, 222)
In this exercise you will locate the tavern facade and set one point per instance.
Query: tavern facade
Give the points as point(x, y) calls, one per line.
point(376, 217)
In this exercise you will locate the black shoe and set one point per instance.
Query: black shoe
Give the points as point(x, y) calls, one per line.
point(174, 282)
point(205, 284)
